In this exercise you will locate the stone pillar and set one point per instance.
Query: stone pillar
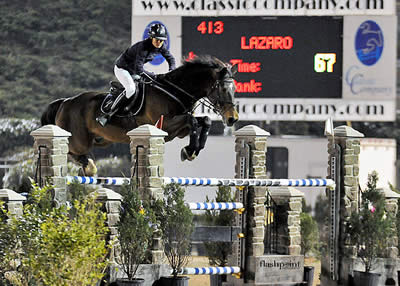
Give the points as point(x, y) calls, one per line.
point(289, 204)
point(252, 140)
point(149, 141)
point(51, 143)
point(112, 202)
point(13, 201)
point(348, 140)
point(391, 200)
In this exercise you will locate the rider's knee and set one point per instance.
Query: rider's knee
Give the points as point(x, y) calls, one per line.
point(130, 90)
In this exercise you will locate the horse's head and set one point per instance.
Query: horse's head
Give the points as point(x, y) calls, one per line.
point(222, 94)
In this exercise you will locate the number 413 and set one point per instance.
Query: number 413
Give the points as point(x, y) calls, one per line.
point(324, 62)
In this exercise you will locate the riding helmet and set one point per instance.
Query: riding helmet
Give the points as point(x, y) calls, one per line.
point(158, 31)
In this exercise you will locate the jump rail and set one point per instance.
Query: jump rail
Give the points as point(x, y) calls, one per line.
point(215, 206)
point(185, 181)
point(210, 270)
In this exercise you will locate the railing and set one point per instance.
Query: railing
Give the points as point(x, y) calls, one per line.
point(271, 226)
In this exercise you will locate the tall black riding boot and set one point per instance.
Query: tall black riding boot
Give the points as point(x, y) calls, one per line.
point(119, 101)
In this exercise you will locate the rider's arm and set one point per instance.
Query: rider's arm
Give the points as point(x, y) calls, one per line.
point(169, 57)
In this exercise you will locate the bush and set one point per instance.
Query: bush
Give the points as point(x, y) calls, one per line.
point(135, 230)
point(218, 252)
point(309, 235)
point(48, 247)
point(176, 225)
point(371, 228)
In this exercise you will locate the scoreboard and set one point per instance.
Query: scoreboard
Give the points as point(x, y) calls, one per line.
point(277, 57)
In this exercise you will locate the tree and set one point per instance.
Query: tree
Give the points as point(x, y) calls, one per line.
point(176, 225)
point(217, 252)
point(309, 234)
point(371, 227)
point(135, 231)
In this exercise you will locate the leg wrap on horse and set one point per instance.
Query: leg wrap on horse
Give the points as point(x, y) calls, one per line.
point(194, 137)
point(205, 123)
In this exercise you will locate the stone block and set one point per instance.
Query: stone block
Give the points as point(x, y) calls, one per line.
point(112, 219)
point(348, 170)
point(113, 206)
point(349, 181)
point(350, 159)
point(156, 141)
point(156, 159)
point(295, 205)
point(277, 269)
point(294, 250)
point(295, 240)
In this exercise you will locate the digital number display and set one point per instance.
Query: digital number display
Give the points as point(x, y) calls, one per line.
point(277, 57)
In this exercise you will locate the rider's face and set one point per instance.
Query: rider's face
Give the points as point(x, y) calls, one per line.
point(157, 43)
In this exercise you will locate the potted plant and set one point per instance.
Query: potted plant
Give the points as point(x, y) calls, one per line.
point(370, 230)
point(218, 252)
point(135, 234)
point(176, 225)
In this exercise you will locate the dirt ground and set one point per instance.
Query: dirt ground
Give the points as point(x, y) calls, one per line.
point(204, 280)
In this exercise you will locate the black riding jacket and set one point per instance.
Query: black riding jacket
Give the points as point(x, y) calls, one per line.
point(140, 53)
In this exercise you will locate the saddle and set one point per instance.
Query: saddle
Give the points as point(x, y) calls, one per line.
point(116, 89)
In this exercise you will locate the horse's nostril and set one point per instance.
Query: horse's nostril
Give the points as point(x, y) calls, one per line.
point(231, 120)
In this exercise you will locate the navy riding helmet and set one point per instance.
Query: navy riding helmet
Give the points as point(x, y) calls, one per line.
point(158, 31)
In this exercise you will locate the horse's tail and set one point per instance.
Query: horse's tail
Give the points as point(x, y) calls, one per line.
point(49, 115)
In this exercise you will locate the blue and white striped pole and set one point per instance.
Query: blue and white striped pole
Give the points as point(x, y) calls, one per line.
point(117, 181)
point(185, 181)
point(210, 270)
point(214, 206)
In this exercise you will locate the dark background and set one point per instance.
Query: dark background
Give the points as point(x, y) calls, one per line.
point(284, 73)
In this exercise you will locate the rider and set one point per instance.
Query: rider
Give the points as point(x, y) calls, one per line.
point(130, 63)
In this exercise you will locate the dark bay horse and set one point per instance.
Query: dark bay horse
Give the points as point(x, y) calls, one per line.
point(204, 78)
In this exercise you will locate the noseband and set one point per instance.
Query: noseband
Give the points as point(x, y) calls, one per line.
point(215, 102)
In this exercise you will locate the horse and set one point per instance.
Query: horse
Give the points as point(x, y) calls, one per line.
point(173, 95)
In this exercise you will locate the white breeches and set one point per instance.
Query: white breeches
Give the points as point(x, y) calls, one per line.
point(126, 80)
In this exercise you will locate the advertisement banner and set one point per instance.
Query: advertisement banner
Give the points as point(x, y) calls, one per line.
point(263, 7)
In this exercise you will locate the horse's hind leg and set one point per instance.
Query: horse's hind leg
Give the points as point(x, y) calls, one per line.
point(88, 166)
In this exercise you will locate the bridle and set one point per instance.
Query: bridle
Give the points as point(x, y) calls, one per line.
point(213, 98)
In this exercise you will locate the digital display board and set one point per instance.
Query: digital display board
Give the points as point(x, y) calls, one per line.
point(277, 57)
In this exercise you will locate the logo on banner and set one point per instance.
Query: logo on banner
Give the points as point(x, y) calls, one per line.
point(369, 43)
point(159, 59)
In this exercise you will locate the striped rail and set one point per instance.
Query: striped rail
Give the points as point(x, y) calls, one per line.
point(214, 206)
point(185, 181)
point(210, 270)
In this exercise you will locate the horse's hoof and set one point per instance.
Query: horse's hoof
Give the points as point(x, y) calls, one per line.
point(90, 169)
point(185, 155)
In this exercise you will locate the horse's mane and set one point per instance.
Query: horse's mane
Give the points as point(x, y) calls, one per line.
point(198, 62)
point(203, 61)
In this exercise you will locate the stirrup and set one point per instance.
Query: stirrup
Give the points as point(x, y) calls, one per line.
point(102, 120)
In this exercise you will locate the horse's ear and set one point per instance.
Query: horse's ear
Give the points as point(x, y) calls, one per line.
point(234, 69)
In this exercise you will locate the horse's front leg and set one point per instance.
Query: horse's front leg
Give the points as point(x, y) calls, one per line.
point(181, 126)
point(205, 123)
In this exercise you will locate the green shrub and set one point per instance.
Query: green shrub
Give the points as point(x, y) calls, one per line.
point(309, 234)
point(218, 252)
point(135, 231)
point(45, 246)
point(176, 225)
point(371, 228)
